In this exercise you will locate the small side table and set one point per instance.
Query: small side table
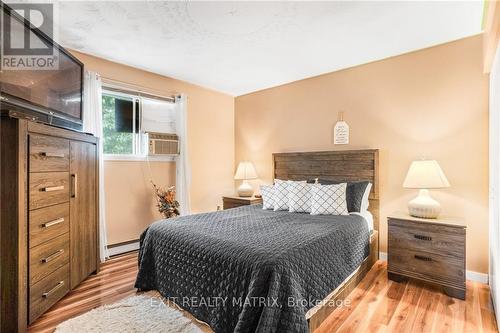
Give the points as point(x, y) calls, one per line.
point(233, 202)
point(432, 250)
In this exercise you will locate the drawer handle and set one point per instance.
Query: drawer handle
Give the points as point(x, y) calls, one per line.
point(422, 237)
point(51, 291)
point(52, 256)
point(53, 188)
point(74, 191)
point(53, 222)
point(47, 154)
point(422, 258)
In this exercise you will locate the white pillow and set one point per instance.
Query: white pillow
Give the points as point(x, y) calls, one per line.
point(267, 192)
point(329, 200)
point(299, 197)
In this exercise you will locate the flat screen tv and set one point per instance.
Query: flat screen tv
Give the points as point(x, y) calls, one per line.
point(49, 96)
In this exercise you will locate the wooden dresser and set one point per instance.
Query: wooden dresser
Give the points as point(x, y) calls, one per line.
point(49, 217)
point(432, 250)
point(233, 202)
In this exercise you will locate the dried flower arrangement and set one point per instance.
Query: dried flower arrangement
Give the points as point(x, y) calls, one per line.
point(166, 203)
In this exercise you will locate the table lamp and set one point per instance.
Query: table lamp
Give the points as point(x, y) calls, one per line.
point(245, 172)
point(425, 175)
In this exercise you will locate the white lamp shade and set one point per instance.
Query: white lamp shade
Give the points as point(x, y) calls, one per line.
point(425, 174)
point(245, 171)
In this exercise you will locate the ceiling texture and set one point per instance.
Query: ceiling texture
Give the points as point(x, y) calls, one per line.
point(242, 47)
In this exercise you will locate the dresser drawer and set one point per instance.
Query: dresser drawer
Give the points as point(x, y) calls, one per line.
point(48, 188)
point(47, 257)
point(47, 223)
point(428, 266)
point(48, 153)
point(48, 291)
point(229, 205)
point(447, 241)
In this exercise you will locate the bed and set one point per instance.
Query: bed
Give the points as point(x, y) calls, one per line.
point(252, 270)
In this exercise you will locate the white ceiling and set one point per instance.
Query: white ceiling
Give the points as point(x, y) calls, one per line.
point(241, 47)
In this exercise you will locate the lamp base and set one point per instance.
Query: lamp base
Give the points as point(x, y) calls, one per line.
point(245, 189)
point(424, 206)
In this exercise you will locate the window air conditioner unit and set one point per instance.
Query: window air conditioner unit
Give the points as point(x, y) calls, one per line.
point(163, 144)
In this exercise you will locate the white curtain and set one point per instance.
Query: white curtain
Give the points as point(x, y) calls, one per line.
point(92, 123)
point(183, 168)
point(494, 207)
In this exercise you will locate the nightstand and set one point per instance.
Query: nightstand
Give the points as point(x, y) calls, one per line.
point(431, 250)
point(233, 202)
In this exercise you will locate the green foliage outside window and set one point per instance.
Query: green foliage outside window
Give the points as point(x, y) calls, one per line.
point(114, 142)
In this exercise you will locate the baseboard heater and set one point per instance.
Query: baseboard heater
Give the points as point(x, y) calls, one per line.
point(124, 247)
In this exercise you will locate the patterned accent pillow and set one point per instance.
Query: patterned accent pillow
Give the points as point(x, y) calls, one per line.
point(299, 197)
point(356, 195)
point(267, 192)
point(280, 194)
point(329, 200)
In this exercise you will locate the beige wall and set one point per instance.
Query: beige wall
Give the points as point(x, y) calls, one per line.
point(432, 103)
point(211, 151)
point(130, 201)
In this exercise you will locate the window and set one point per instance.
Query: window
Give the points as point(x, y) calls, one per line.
point(158, 116)
point(126, 117)
point(120, 118)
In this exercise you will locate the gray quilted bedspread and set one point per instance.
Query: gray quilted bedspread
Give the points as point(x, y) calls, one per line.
point(248, 269)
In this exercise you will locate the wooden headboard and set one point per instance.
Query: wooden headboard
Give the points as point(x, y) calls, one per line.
point(339, 166)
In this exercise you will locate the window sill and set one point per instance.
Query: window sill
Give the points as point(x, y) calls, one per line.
point(138, 158)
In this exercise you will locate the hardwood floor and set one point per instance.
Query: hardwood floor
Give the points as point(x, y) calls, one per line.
point(376, 305)
point(381, 305)
point(114, 282)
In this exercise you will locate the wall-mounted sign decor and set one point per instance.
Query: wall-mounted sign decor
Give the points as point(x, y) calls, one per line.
point(341, 131)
